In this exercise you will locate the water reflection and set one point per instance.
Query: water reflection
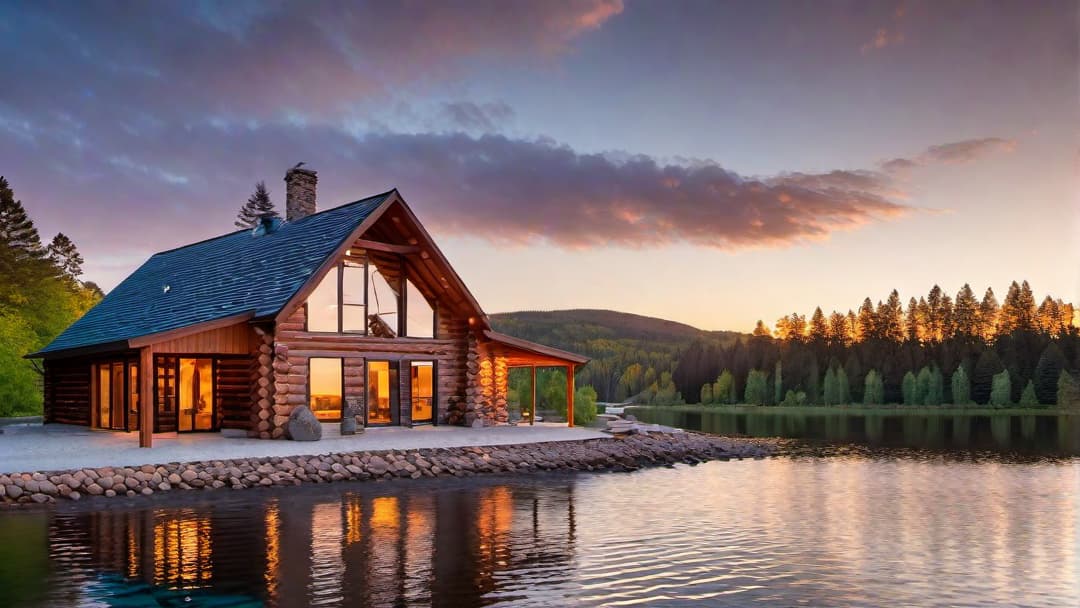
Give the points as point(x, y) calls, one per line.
point(352, 548)
point(1037, 432)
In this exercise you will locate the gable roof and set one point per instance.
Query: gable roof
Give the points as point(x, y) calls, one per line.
point(232, 275)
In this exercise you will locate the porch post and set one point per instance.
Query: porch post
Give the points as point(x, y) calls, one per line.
point(146, 397)
point(532, 418)
point(570, 395)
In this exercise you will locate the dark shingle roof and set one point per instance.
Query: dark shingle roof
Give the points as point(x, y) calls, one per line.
point(233, 274)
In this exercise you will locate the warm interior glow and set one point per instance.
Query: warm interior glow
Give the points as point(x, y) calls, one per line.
point(196, 395)
point(422, 390)
point(325, 385)
point(379, 397)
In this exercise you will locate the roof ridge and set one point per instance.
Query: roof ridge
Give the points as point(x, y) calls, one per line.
point(234, 232)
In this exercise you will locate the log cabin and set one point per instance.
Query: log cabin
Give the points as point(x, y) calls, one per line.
point(352, 309)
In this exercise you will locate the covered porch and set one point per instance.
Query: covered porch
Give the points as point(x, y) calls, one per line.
point(522, 356)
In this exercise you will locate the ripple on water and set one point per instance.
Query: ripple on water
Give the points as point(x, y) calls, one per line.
point(857, 529)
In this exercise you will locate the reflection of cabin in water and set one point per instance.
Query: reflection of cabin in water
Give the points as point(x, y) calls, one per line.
point(441, 548)
point(351, 305)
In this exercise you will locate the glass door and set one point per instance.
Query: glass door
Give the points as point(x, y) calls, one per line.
point(114, 397)
point(422, 391)
point(382, 393)
point(196, 411)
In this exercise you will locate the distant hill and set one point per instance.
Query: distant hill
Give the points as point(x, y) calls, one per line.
point(615, 341)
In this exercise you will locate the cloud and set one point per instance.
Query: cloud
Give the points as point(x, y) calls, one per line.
point(469, 116)
point(952, 153)
point(890, 35)
point(260, 59)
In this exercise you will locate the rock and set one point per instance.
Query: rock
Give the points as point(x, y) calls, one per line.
point(377, 466)
point(39, 498)
point(14, 492)
point(303, 425)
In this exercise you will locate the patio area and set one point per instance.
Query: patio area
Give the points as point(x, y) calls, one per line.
point(60, 447)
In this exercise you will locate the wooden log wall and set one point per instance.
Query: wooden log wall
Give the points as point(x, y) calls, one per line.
point(262, 385)
point(233, 392)
point(487, 384)
point(67, 391)
point(293, 347)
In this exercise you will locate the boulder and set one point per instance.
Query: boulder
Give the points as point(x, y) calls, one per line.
point(303, 425)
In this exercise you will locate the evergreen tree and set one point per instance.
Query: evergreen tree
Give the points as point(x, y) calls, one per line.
point(1068, 393)
point(909, 389)
point(756, 388)
point(866, 321)
point(819, 328)
point(936, 393)
point(891, 318)
point(257, 206)
point(853, 371)
point(961, 387)
point(912, 329)
point(1001, 390)
point(17, 231)
point(1047, 372)
point(874, 393)
point(829, 393)
point(838, 330)
point(922, 387)
point(1028, 397)
point(966, 313)
point(843, 386)
point(989, 311)
point(778, 382)
point(64, 255)
point(988, 365)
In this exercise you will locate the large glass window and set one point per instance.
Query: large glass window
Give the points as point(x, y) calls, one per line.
point(365, 296)
point(420, 316)
point(324, 384)
point(383, 304)
point(115, 395)
point(196, 395)
point(353, 307)
point(322, 304)
point(422, 390)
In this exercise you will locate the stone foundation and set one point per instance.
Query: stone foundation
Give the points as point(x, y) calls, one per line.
point(631, 453)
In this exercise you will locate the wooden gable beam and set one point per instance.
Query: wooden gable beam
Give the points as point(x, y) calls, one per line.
point(387, 247)
point(188, 330)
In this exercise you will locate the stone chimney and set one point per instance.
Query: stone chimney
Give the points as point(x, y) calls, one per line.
point(299, 193)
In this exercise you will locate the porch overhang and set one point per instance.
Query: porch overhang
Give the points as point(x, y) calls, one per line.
point(519, 352)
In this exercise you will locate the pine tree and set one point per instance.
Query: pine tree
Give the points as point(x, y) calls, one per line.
point(819, 328)
point(1068, 393)
point(874, 393)
point(1047, 371)
point(989, 313)
point(838, 330)
point(65, 256)
point(866, 321)
point(1028, 397)
point(908, 388)
point(966, 313)
point(961, 387)
point(911, 321)
point(1001, 390)
point(936, 393)
point(17, 231)
point(257, 206)
point(891, 318)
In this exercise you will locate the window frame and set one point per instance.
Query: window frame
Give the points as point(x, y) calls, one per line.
point(402, 308)
point(341, 389)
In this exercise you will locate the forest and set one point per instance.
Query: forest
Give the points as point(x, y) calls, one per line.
point(40, 295)
point(937, 350)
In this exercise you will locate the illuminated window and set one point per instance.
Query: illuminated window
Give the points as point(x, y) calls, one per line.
point(324, 384)
point(422, 390)
point(382, 392)
point(353, 304)
point(383, 304)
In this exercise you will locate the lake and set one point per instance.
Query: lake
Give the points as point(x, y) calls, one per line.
point(876, 529)
point(1036, 432)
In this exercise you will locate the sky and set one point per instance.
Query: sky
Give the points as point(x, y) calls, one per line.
point(713, 163)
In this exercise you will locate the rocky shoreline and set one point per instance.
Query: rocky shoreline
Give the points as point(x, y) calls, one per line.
point(617, 454)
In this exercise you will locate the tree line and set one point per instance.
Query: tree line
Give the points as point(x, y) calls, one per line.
point(938, 350)
point(40, 295)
